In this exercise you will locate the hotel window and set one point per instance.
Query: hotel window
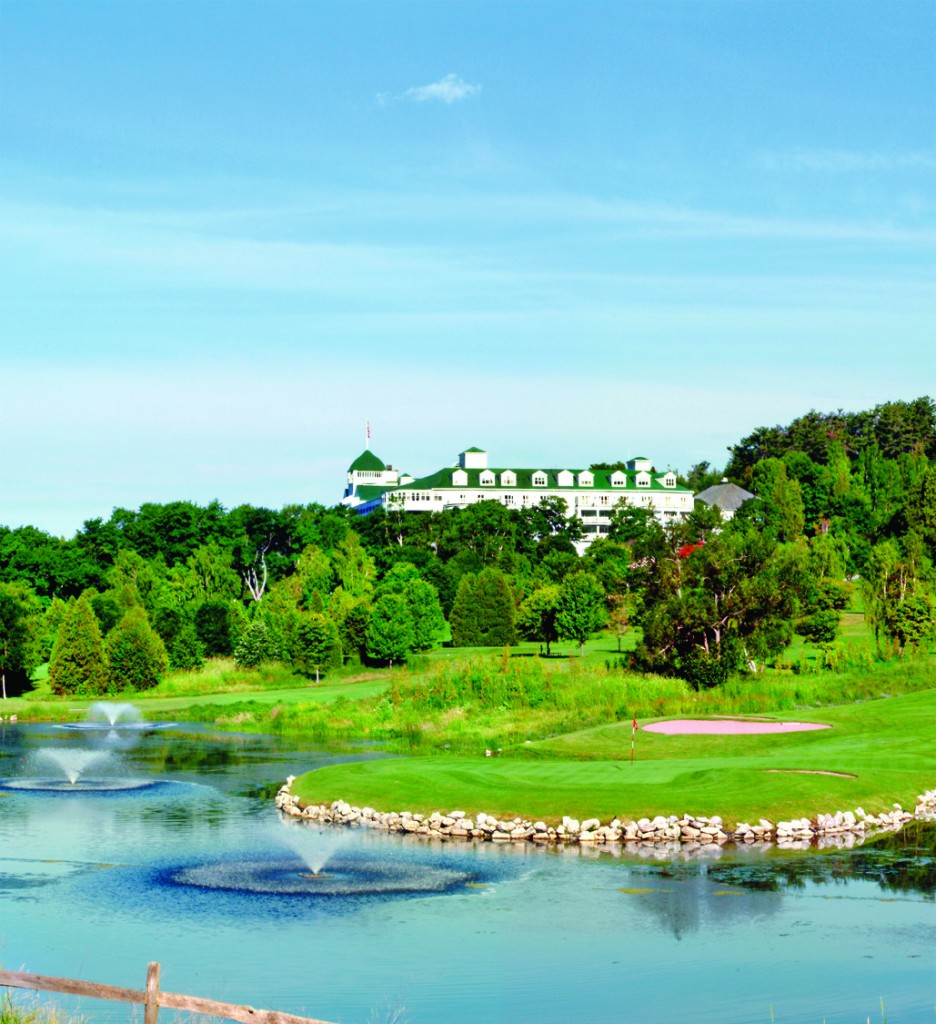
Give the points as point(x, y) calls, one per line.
point(539, 479)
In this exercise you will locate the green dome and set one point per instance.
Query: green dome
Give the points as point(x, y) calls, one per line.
point(367, 461)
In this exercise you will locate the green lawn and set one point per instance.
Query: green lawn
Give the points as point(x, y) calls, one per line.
point(888, 745)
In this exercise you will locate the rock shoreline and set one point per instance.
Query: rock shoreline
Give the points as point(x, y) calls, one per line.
point(687, 833)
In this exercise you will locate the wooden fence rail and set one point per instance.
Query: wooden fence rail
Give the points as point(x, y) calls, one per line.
point(151, 998)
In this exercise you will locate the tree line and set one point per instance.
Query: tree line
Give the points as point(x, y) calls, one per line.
point(842, 500)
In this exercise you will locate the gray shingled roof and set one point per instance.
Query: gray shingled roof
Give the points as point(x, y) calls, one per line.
point(725, 497)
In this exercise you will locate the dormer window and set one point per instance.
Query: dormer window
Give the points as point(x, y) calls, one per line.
point(459, 478)
point(565, 478)
point(508, 478)
point(643, 479)
point(669, 480)
point(586, 479)
point(618, 479)
point(539, 478)
point(486, 479)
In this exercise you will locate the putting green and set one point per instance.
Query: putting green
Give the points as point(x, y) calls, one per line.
point(874, 754)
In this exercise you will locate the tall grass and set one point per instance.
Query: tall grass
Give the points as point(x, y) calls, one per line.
point(30, 1011)
point(497, 702)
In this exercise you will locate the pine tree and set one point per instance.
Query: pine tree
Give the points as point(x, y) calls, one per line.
point(496, 609)
point(464, 619)
point(186, 651)
point(136, 653)
point(79, 664)
point(484, 612)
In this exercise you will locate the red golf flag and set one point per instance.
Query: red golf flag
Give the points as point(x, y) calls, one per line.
point(635, 725)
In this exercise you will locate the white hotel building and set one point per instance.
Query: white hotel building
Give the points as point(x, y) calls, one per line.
point(589, 496)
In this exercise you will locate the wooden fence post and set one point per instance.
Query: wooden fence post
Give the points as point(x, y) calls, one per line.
point(151, 1006)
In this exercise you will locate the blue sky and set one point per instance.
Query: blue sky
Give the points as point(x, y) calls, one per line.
point(565, 232)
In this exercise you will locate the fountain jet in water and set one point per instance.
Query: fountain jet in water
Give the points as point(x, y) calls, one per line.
point(113, 714)
point(315, 845)
point(73, 763)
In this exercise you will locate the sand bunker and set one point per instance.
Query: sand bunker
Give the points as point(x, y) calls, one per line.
point(727, 727)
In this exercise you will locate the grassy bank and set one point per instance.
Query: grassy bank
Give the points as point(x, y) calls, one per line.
point(493, 701)
point(889, 746)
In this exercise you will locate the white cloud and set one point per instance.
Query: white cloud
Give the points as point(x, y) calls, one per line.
point(450, 89)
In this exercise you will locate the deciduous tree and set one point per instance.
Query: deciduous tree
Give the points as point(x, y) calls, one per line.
point(580, 608)
point(316, 644)
point(536, 618)
point(390, 635)
point(19, 615)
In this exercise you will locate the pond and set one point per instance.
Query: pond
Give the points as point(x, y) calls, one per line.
point(166, 846)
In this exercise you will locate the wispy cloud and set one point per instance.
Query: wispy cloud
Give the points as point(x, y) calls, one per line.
point(450, 89)
point(843, 161)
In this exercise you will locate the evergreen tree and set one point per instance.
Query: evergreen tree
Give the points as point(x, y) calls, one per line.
point(495, 608)
point(185, 649)
point(709, 610)
point(79, 664)
point(579, 608)
point(484, 611)
point(463, 619)
point(390, 635)
point(136, 653)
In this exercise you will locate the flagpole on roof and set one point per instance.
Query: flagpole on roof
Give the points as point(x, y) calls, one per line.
point(367, 435)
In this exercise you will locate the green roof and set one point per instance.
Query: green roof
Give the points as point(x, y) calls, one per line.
point(443, 479)
point(367, 461)
point(368, 492)
point(467, 450)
